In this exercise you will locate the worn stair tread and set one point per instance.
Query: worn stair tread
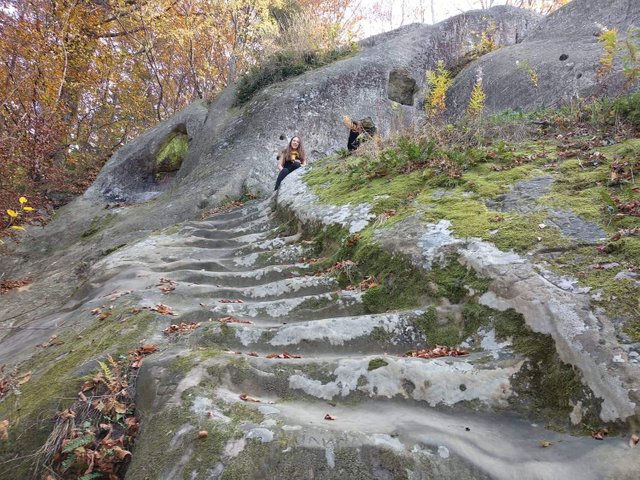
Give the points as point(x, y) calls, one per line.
point(502, 446)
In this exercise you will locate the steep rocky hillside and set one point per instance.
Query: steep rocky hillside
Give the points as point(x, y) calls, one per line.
point(451, 300)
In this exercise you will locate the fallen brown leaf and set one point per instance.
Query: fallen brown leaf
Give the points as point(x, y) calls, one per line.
point(146, 349)
point(7, 285)
point(203, 434)
point(599, 434)
point(330, 417)
point(166, 285)
point(232, 319)
point(181, 328)
point(365, 284)
point(341, 266)
point(633, 441)
point(137, 356)
point(53, 341)
point(283, 355)
point(67, 413)
point(437, 351)
point(163, 309)
point(116, 295)
point(4, 430)
point(308, 260)
point(24, 378)
point(246, 398)
point(132, 425)
point(120, 452)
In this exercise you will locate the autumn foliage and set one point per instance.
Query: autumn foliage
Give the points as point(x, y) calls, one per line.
point(79, 79)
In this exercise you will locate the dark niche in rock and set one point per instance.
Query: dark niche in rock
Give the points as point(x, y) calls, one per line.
point(401, 87)
point(169, 158)
point(145, 169)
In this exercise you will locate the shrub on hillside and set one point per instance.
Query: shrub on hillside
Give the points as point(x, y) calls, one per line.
point(628, 108)
point(283, 65)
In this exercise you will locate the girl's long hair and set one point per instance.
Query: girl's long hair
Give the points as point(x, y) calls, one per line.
point(285, 155)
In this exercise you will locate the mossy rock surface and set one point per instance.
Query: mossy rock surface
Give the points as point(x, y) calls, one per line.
point(58, 374)
point(171, 154)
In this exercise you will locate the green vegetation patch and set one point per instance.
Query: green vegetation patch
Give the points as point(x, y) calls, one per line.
point(377, 363)
point(436, 331)
point(171, 154)
point(98, 224)
point(553, 386)
point(283, 65)
point(628, 108)
point(455, 281)
point(56, 380)
point(598, 269)
point(398, 283)
point(451, 331)
point(401, 285)
point(448, 183)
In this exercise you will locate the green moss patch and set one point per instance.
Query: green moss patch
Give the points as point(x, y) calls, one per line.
point(171, 154)
point(552, 387)
point(401, 284)
point(438, 332)
point(98, 224)
point(57, 378)
point(376, 363)
point(455, 281)
point(408, 176)
point(451, 331)
point(597, 270)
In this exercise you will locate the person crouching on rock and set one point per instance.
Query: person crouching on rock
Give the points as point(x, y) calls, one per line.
point(290, 159)
point(359, 131)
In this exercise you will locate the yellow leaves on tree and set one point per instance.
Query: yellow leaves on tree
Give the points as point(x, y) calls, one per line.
point(476, 102)
point(7, 224)
point(609, 41)
point(438, 82)
point(82, 78)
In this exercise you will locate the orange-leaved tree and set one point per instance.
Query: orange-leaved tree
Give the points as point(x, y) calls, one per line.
point(80, 78)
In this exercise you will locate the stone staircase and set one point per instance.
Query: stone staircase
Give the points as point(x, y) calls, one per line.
point(395, 417)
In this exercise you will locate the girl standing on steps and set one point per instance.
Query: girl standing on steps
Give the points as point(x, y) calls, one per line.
point(290, 159)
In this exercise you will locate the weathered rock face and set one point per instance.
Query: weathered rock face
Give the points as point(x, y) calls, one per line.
point(555, 63)
point(235, 148)
point(129, 175)
point(243, 142)
point(397, 417)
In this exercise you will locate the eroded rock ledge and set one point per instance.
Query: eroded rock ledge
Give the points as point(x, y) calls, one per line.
point(584, 336)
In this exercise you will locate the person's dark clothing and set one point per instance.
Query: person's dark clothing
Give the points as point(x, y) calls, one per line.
point(353, 142)
point(365, 129)
point(286, 170)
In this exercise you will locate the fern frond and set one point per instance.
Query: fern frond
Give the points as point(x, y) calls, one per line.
point(91, 476)
point(106, 371)
point(70, 460)
point(77, 443)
